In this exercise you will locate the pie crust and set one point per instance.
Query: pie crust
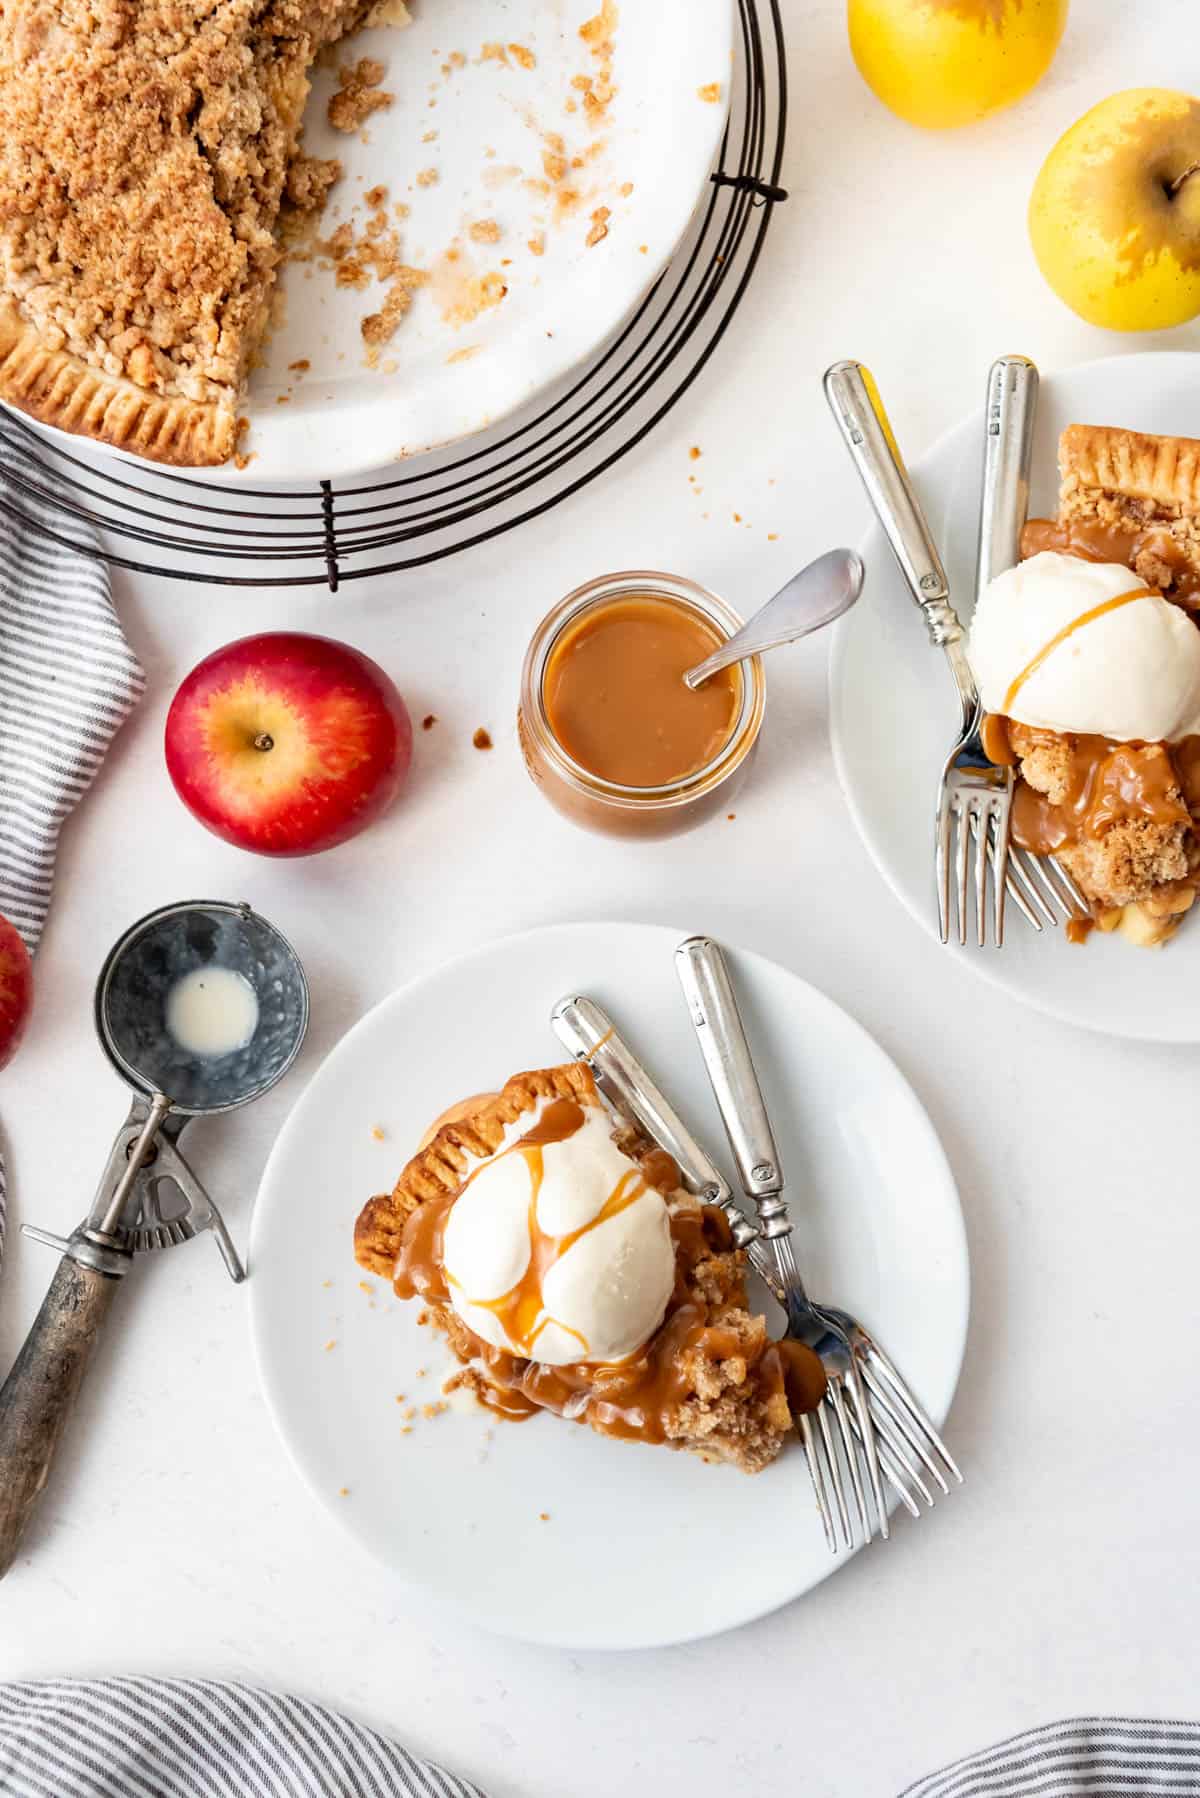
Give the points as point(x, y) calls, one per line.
point(1135, 498)
point(1130, 465)
point(59, 388)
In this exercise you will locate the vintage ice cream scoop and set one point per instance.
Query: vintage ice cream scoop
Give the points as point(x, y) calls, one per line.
point(200, 1007)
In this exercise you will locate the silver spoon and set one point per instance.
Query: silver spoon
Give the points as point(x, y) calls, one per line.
point(812, 599)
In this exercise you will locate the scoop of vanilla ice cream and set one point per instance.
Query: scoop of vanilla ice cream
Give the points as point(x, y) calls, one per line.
point(1132, 673)
point(603, 1294)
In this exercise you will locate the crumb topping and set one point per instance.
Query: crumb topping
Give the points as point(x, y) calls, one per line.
point(359, 94)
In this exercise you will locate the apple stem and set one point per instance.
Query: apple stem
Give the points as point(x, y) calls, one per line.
point(263, 741)
point(1173, 190)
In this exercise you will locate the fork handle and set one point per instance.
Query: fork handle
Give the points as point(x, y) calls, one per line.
point(854, 400)
point(1012, 394)
point(712, 1004)
point(588, 1032)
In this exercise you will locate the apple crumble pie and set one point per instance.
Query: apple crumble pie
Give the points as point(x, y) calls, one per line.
point(145, 150)
point(701, 1371)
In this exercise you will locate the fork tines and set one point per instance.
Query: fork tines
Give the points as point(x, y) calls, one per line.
point(844, 1439)
point(974, 812)
point(903, 1426)
point(973, 841)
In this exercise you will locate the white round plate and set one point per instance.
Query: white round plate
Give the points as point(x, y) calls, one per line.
point(639, 1546)
point(465, 144)
point(893, 711)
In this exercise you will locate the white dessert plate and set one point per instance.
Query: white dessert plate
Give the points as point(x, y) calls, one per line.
point(893, 711)
point(637, 1546)
point(485, 99)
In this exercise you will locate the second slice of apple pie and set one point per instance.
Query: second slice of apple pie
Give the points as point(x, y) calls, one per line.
point(571, 1273)
point(1119, 809)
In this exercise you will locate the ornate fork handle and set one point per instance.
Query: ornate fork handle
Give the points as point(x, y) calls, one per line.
point(590, 1035)
point(854, 400)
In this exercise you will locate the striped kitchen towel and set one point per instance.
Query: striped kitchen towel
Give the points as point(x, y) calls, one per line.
point(196, 1738)
point(1117, 1757)
point(68, 681)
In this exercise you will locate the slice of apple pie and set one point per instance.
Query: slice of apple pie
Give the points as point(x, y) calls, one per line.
point(571, 1273)
point(1088, 657)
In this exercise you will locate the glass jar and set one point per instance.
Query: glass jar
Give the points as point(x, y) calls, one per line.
point(604, 805)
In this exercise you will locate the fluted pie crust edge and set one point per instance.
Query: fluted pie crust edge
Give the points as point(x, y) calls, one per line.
point(440, 1167)
point(60, 389)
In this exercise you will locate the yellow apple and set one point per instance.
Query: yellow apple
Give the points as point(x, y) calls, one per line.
point(1115, 213)
point(949, 62)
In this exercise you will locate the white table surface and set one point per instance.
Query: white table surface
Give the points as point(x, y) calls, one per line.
point(177, 1539)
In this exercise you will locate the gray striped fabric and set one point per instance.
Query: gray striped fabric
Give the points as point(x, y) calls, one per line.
point(68, 681)
point(196, 1738)
point(1119, 1757)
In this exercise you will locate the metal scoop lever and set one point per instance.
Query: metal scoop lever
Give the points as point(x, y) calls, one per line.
point(128, 1216)
point(148, 1197)
point(588, 1032)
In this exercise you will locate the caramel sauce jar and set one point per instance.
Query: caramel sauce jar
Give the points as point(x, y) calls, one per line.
point(693, 617)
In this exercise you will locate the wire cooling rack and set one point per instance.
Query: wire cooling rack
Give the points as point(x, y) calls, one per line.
point(152, 521)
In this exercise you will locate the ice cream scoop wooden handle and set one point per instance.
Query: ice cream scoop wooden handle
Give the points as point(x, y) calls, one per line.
point(39, 1394)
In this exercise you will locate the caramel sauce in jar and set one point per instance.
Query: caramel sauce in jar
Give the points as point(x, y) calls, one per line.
point(610, 733)
point(615, 696)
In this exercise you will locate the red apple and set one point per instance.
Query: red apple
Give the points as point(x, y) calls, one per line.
point(16, 990)
point(286, 743)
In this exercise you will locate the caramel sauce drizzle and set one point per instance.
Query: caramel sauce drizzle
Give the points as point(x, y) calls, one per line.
point(635, 1399)
point(521, 1310)
point(1093, 541)
point(1066, 633)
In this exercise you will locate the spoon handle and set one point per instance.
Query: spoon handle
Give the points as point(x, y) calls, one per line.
point(810, 600)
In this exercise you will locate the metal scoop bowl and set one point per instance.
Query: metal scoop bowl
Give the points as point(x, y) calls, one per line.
point(148, 1197)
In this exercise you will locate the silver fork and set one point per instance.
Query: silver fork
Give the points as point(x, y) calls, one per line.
point(1041, 882)
point(907, 1440)
point(713, 1009)
point(903, 1428)
point(590, 1035)
point(974, 809)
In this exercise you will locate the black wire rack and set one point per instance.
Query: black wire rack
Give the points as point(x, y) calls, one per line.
point(152, 521)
